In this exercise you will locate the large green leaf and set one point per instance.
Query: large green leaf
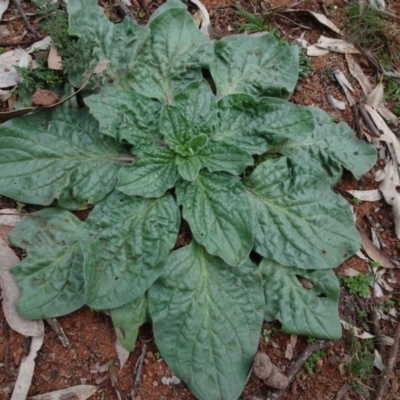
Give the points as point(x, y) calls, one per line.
point(256, 125)
point(330, 145)
point(207, 318)
point(297, 219)
point(151, 175)
point(302, 311)
point(128, 242)
point(259, 66)
point(127, 116)
point(51, 276)
point(157, 61)
point(121, 44)
point(127, 320)
point(199, 105)
point(219, 214)
point(58, 154)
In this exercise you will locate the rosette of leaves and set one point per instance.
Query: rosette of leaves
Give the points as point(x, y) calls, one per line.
point(157, 144)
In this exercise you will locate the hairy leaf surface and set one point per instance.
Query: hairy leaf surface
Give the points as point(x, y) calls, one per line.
point(207, 318)
point(219, 214)
point(58, 154)
point(302, 311)
point(157, 61)
point(256, 125)
point(51, 276)
point(127, 116)
point(297, 219)
point(151, 175)
point(260, 66)
point(127, 320)
point(129, 242)
point(331, 146)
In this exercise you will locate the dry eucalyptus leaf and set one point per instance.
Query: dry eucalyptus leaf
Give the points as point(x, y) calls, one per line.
point(4, 95)
point(54, 61)
point(25, 373)
point(336, 45)
point(205, 17)
point(321, 18)
point(3, 7)
point(314, 51)
point(358, 73)
point(392, 197)
point(374, 253)
point(80, 392)
point(10, 294)
point(335, 103)
point(375, 97)
point(43, 44)
point(366, 195)
point(122, 354)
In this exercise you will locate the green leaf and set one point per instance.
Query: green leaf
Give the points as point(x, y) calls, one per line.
point(58, 154)
point(129, 240)
point(199, 105)
point(151, 175)
point(51, 276)
point(302, 311)
point(221, 156)
point(127, 320)
point(297, 219)
point(257, 125)
point(121, 44)
point(332, 146)
point(175, 129)
point(127, 116)
point(207, 318)
point(188, 167)
point(261, 66)
point(219, 214)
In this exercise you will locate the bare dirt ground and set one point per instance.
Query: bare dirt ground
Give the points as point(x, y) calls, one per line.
point(92, 335)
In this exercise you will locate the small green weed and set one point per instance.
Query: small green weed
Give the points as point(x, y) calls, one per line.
point(253, 23)
point(356, 200)
point(374, 264)
point(359, 284)
point(312, 361)
point(266, 334)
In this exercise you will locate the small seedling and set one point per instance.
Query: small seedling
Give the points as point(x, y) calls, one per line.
point(310, 340)
point(312, 361)
point(362, 314)
point(359, 284)
point(266, 334)
point(374, 264)
point(253, 23)
point(356, 200)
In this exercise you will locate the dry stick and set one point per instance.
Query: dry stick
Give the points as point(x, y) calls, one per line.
point(318, 345)
point(125, 10)
point(367, 119)
point(144, 8)
point(376, 330)
point(28, 25)
point(356, 118)
point(137, 372)
point(343, 390)
point(383, 384)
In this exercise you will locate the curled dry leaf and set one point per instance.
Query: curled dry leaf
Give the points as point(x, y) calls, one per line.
point(10, 294)
point(205, 17)
point(358, 73)
point(374, 253)
point(79, 392)
point(321, 18)
point(9, 217)
point(335, 103)
point(54, 61)
point(314, 51)
point(375, 97)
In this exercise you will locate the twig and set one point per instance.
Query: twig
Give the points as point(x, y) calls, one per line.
point(144, 8)
point(318, 345)
point(367, 119)
point(376, 330)
point(383, 384)
point(28, 25)
point(22, 43)
point(125, 10)
point(356, 118)
point(343, 390)
point(115, 385)
point(55, 325)
point(137, 372)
